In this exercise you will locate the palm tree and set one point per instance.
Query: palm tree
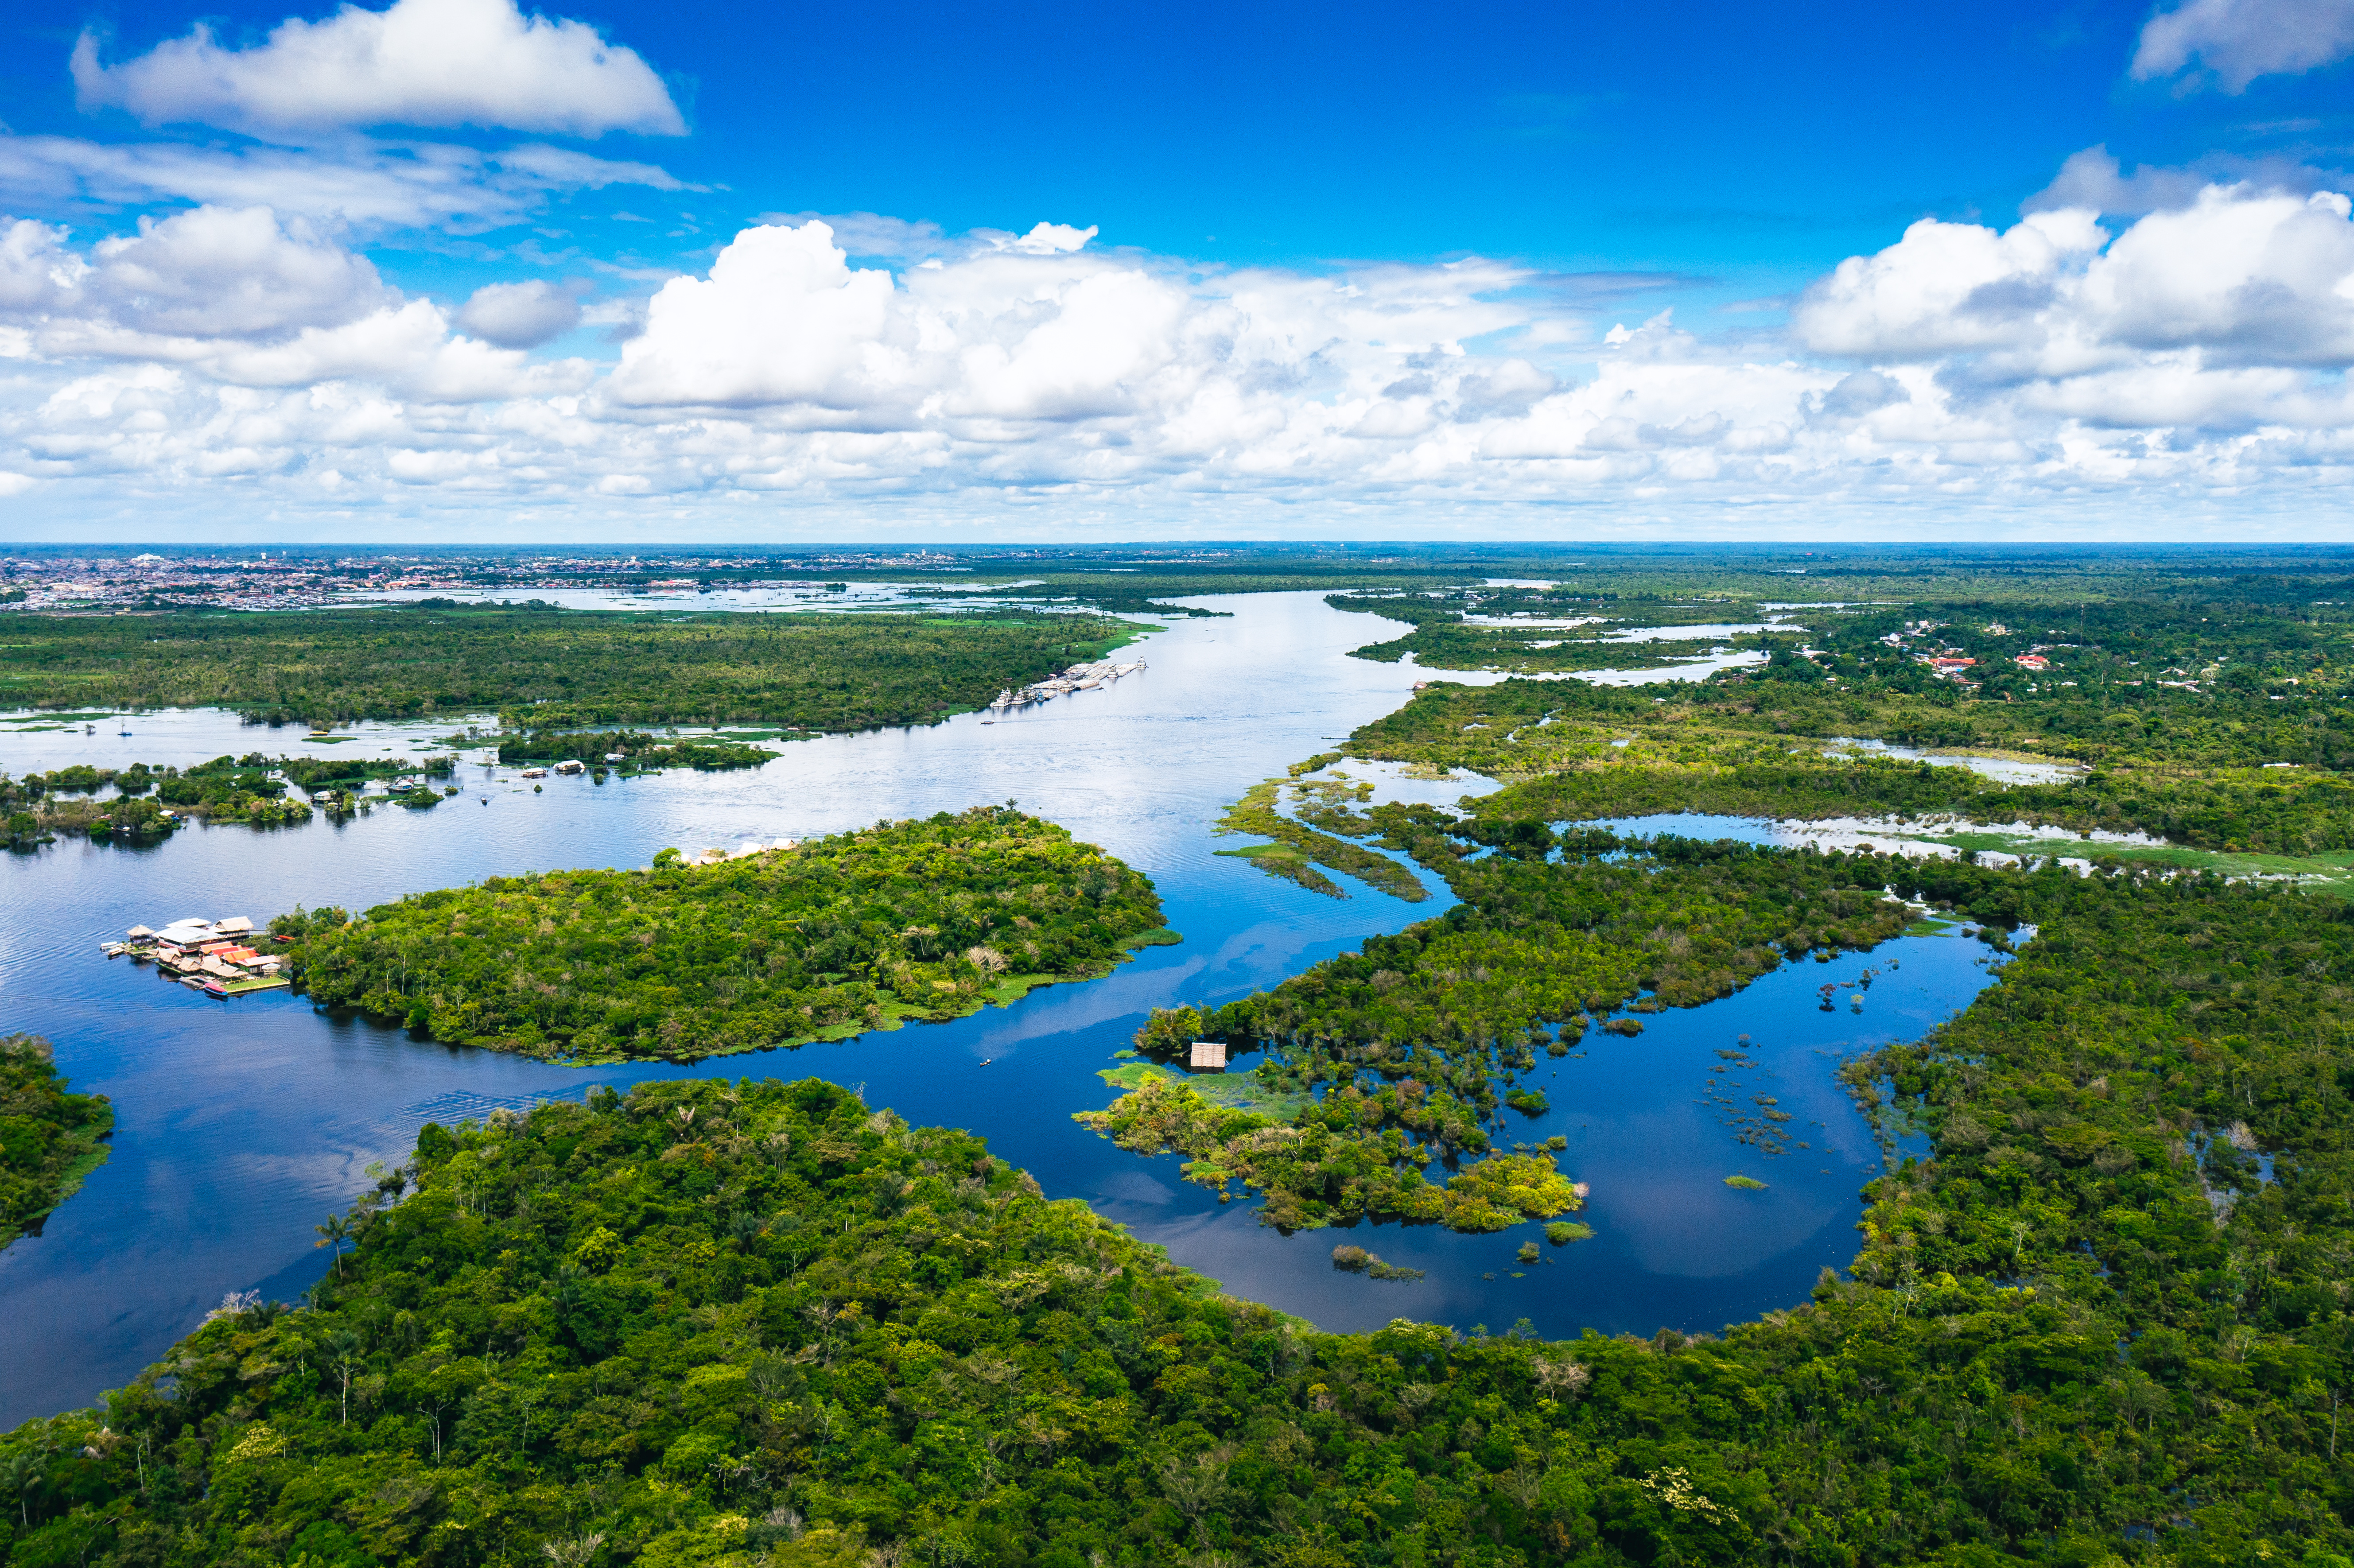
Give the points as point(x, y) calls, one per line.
point(23, 1473)
point(346, 1347)
point(333, 1234)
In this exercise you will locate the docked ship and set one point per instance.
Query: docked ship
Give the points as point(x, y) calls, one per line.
point(1078, 678)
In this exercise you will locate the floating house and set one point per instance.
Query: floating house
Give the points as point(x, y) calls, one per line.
point(571, 764)
point(1209, 1057)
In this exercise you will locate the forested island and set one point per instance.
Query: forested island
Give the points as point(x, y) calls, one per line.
point(857, 931)
point(149, 803)
point(631, 751)
point(544, 668)
point(49, 1140)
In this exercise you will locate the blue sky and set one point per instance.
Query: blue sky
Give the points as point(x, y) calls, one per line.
point(1509, 271)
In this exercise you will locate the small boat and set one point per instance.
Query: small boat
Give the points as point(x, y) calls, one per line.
point(214, 988)
point(89, 729)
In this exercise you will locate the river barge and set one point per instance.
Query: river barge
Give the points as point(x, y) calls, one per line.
point(1078, 678)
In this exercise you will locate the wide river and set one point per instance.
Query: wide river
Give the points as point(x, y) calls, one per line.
point(240, 1125)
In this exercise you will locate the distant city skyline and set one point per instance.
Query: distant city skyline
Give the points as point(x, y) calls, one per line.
point(450, 271)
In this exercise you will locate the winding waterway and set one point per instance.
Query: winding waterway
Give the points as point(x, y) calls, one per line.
point(241, 1124)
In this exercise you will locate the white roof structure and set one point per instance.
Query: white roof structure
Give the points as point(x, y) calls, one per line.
point(1209, 1056)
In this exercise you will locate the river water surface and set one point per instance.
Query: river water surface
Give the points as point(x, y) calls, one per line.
point(240, 1125)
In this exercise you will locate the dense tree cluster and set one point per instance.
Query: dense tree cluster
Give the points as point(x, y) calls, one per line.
point(631, 750)
point(545, 668)
point(49, 1140)
point(150, 802)
point(852, 932)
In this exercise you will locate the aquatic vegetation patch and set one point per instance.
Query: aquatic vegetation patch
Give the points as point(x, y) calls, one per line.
point(1745, 1183)
point(1353, 1259)
point(1299, 849)
point(1231, 1091)
point(49, 1141)
point(926, 919)
point(1414, 1039)
point(1309, 1172)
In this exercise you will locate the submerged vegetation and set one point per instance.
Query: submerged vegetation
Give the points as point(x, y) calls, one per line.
point(1298, 849)
point(1413, 1043)
point(858, 931)
point(49, 1140)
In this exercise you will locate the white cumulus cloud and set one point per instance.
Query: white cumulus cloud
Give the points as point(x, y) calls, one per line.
point(782, 318)
point(246, 298)
point(419, 62)
point(520, 316)
point(2239, 277)
point(2235, 41)
point(2198, 350)
point(1052, 239)
point(200, 276)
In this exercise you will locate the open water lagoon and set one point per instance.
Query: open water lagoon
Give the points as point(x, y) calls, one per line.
point(240, 1125)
